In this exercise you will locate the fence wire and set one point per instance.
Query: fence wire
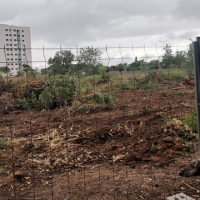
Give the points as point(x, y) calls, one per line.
point(116, 134)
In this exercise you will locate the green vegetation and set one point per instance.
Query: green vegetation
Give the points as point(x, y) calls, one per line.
point(3, 143)
point(82, 77)
point(191, 120)
point(2, 170)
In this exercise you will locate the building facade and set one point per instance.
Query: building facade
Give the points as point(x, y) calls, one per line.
point(15, 47)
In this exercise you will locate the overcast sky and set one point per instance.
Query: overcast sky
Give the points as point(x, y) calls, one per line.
point(124, 23)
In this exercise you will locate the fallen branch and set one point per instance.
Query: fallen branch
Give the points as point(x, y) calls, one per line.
point(189, 186)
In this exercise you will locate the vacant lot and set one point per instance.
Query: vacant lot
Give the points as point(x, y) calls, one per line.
point(133, 150)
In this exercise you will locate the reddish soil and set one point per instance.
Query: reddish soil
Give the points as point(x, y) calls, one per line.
point(121, 152)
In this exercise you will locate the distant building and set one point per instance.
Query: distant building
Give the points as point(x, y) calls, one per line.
point(15, 47)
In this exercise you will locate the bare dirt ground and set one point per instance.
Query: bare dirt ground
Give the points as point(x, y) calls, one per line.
point(122, 152)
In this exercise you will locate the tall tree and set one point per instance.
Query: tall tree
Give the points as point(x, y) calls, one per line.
point(28, 71)
point(88, 57)
point(190, 60)
point(180, 58)
point(61, 62)
point(167, 57)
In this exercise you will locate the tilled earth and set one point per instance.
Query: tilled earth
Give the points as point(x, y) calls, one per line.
point(133, 150)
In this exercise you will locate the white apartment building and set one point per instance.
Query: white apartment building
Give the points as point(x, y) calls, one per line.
point(15, 47)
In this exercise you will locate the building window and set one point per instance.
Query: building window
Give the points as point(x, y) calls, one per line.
point(23, 54)
point(10, 34)
point(7, 49)
point(11, 54)
point(7, 44)
point(22, 40)
point(14, 29)
point(16, 54)
point(7, 54)
point(8, 63)
point(6, 29)
point(14, 34)
point(10, 39)
point(8, 58)
point(22, 30)
point(15, 49)
point(15, 40)
point(15, 58)
point(22, 35)
point(15, 44)
point(10, 49)
point(10, 44)
point(6, 34)
point(11, 59)
point(16, 68)
point(11, 63)
point(9, 29)
point(11, 68)
point(6, 39)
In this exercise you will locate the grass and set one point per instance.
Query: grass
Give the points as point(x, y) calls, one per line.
point(191, 120)
point(3, 143)
point(2, 170)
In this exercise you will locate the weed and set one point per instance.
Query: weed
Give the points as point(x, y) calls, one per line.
point(191, 121)
point(185, 153)
point(159, 165)
point(2, 170)
point(3, 143)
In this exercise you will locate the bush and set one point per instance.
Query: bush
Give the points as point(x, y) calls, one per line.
point(99, 98)
point(58, 92)
point(191, 121)
point(28, 102)
point(3, 143)
point(93, 80)
point(2, 170)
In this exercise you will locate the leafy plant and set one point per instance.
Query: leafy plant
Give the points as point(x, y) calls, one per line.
point(2, 170)
point(99, 98)
point(3, 143)
point(191, 121)
point(25, 103)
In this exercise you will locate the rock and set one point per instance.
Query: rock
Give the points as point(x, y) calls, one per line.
point(168, 139)
point(155, 158)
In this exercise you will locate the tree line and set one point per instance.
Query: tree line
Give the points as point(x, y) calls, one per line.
point(88, 62)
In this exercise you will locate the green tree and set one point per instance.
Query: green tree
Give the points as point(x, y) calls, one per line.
point(88, 57)
point(20, 73)
point(102, 71)
point(61, 62)
point(167, 59)
point(5, 70)
point(137, 65)
point(180, 58)
point(153, 64)
point(28, 71)
point(189, 64)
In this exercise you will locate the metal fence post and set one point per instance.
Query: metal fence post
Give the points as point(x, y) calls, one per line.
point(196, 48)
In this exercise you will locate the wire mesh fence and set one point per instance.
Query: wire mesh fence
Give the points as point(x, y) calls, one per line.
point(100, 132)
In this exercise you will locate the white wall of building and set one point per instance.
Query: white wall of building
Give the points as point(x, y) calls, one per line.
point(15, 47)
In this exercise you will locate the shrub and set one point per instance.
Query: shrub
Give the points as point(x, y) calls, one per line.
point(99, 98)
point(2, 170)
point(3, 143)
point(191, 121)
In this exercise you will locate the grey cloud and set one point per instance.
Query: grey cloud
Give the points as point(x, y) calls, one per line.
point(70, 23)
point(188, 9)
